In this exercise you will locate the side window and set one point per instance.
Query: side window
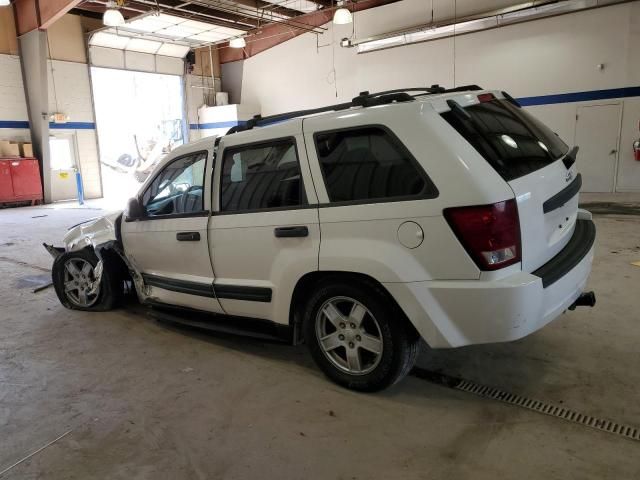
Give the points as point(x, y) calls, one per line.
point(369, 163)
point(260, 177)
point(179, 188)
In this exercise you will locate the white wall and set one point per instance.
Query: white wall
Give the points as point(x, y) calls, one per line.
point(13, 106)
point(70, 93)
point(543, 57)
point(73, 94)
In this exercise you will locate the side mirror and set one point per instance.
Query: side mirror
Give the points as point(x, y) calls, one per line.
point(134, 209)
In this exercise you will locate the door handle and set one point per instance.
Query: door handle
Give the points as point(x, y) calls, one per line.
point(188, 236)
point(289, 232)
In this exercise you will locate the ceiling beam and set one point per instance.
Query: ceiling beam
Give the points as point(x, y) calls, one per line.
point(96, 10)
point(134, 8)
point(269, 7)
point(199, 9)
point(270, 35)
point(325, 3)
point(39, 14)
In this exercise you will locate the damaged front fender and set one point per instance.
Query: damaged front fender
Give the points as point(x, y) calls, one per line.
point(92, 233)
point(102, 235)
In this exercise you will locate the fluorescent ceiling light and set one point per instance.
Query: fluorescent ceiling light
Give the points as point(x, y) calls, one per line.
point(112, 16)
point(382, 43)
point(238, 43)
point(521, 13)
point(342, 16)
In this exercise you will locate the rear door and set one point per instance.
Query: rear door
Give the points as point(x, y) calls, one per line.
point(538, 166)
point(264, 235)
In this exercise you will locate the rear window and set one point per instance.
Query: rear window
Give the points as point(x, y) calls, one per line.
point(369, 164)
point(511, 140)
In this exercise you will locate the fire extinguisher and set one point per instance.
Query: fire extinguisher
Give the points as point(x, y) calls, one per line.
point(636, 146)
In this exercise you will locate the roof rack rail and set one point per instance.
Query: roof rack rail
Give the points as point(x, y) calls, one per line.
point(364, 99)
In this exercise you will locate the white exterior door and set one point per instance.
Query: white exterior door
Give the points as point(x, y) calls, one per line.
point(597, 135)
point(264, 234)
point(169, 245)
point(63, 167)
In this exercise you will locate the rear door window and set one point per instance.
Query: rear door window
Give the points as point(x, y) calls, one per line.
point(511, 140)
point(369, 164)
point(261, 177)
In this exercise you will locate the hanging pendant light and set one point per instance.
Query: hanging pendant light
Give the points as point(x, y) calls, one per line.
point(237, 42)
point(112, 16)
point(342, 15)
point(5, 3)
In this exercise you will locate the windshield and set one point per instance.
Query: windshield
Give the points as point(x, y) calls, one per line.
point(511, 140)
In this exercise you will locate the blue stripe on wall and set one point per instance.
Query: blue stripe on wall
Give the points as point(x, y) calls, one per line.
point(54, 126)
point(72, 126)
point(205, 126)
point(608, 94)
point(13, 124)
point(624, 92)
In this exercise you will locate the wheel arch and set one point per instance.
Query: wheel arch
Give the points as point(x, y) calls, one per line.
point(307, 282)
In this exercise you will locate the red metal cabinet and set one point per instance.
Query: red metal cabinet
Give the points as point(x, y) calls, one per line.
point(6, 186)
point(20, 180)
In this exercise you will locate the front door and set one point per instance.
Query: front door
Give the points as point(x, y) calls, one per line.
point(169, 245)
point(597, 134)
point(265, 233)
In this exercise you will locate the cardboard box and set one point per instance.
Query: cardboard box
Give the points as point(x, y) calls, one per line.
point(8, 149)
point(27, 150)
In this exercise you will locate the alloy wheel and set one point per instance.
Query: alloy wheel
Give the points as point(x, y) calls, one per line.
point(349, 335)
point(80, 285)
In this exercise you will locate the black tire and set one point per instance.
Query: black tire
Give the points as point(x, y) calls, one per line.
point(400, 341)
point(111, 285)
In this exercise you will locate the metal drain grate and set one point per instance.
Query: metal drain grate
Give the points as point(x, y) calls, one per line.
point(627, 431)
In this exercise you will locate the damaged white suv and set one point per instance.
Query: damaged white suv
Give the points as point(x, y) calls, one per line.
point(446, 215)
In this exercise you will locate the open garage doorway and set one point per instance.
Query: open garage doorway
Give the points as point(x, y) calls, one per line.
point(140, 118)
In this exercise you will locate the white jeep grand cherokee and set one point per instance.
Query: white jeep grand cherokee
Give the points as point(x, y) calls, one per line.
point(447, 215)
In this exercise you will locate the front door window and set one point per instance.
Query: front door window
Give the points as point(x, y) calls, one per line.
point(178, 189)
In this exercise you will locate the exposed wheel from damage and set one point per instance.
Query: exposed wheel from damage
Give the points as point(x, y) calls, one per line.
point(75, 281)
point(357, 337)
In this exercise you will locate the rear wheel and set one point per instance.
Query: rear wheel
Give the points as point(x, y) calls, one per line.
point(75, 277)
point(358, 337)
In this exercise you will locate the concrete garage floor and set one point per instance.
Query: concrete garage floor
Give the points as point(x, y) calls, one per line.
point(145, 400)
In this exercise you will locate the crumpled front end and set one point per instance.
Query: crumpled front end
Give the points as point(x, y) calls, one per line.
point(92, 233)
point(102, 236)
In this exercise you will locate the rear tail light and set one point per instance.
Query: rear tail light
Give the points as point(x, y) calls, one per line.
point(489, 233)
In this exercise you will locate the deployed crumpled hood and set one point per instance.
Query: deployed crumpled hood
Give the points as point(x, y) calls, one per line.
point(92, 232)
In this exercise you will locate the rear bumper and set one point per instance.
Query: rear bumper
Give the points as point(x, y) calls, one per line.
point(457, 313)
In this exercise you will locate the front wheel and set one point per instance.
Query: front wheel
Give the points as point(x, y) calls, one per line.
point(358, 337)
point(75, 275)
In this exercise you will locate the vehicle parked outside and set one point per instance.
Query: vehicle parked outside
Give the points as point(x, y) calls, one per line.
point(361, 228)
